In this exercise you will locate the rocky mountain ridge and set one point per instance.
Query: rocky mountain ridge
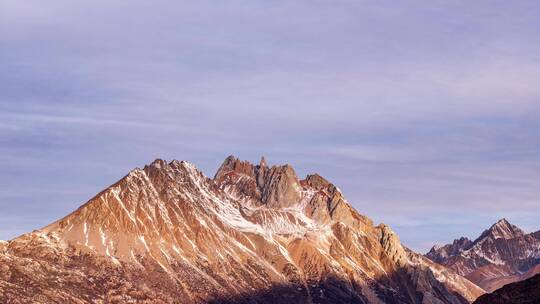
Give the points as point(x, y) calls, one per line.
point(252, 234)
point(502, 254)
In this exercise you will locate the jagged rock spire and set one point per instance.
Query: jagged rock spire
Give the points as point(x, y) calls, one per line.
point(233, 164)
point(263, 163)
point(276, 186)
point(316, 181)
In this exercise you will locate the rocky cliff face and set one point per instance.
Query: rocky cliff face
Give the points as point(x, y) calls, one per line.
point(501, 255)
point(252, 234)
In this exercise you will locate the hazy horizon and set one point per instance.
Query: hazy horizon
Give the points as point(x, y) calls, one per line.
point(425, 114)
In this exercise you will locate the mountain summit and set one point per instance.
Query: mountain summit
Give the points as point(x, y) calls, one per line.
point(502, 229)
point(252, 234)
point(502, 254)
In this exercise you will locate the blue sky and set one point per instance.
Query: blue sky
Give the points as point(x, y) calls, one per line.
point(425, 113)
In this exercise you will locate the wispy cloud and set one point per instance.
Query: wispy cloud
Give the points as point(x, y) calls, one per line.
point(70, 120)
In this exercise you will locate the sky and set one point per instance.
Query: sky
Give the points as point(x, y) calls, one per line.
point(426, 114)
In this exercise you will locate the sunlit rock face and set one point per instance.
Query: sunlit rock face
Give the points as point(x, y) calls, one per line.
point(502, 254)
point(252, 234)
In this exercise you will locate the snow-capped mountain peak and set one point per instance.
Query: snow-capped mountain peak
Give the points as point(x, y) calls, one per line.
point(502, 229)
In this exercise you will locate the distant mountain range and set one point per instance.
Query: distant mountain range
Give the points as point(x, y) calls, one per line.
point(252, 234)
point(502, 254)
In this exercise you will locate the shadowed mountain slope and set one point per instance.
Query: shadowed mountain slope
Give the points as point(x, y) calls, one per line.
point(524, 292)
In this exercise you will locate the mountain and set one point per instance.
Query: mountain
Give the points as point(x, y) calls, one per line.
point(502, 254)
point(524, 292)
point(252, 234)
